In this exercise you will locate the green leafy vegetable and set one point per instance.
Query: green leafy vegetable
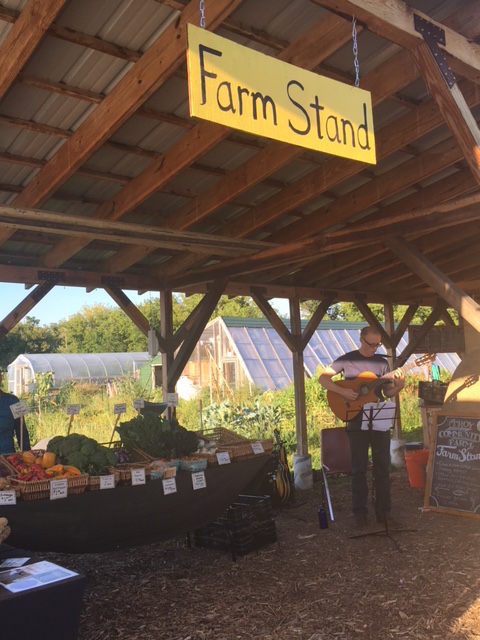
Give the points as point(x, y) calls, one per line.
point(158, 437)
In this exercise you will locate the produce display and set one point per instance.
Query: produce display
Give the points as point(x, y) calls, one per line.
point(83, 453)
point(156, 436)
point(37, 465)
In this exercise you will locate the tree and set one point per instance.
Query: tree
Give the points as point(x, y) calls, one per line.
point(29, 337)
point(101, 329)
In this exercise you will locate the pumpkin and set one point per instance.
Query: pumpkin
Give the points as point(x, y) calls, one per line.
point(48, 460)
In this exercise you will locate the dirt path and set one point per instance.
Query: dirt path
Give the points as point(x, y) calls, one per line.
point(312, 585)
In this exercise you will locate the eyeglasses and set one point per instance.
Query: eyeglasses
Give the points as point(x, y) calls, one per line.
point(372, 345)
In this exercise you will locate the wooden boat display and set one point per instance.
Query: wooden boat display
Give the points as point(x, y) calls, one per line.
point(97, 521)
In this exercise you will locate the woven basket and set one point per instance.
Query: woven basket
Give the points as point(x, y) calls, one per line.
point(125, 470)
point(6, 465)
point(221, 436)
point(36, 489)
point(244, 451)
point(94, 481)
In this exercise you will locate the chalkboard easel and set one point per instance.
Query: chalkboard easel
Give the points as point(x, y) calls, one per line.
point(453, 472)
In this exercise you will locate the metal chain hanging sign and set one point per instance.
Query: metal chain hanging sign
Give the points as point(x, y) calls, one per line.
point(201, 6)
point(355, 52)
point(240, 88)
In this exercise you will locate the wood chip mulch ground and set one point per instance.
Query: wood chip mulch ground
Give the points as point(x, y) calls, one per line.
point(312, 584)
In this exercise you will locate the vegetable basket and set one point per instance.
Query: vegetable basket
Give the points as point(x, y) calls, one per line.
point(125, 470)
point(245, 451)
point(193, 464)
point(6, 465)
point(221, 436)
point(94, 481)
point(36, 489)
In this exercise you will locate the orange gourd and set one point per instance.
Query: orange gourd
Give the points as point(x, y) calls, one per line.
point(48, 460)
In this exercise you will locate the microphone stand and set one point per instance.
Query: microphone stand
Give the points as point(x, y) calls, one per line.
point(370, 414)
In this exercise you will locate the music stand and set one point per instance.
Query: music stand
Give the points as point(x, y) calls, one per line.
point(378, 417)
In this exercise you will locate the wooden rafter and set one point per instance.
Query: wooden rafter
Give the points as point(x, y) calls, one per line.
point(24, 37)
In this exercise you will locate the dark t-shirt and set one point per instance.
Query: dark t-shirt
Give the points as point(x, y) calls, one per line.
point(352, 364)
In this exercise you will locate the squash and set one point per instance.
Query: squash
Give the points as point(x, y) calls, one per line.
point(55, 471)
point(28, 457)
point(48, 460)
point(72, 471)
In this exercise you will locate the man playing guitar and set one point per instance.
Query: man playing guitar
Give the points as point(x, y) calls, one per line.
point(365, 361)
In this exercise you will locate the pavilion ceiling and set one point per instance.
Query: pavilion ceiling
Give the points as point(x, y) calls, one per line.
point(105, 179)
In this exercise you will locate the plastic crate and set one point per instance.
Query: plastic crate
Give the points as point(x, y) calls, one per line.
point(247, 525)
point(432, 392)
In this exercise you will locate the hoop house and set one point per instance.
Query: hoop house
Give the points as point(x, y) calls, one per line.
point(83, 368)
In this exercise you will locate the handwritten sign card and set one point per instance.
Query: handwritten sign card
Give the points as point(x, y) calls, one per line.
point(58, 489)
point(19, 409)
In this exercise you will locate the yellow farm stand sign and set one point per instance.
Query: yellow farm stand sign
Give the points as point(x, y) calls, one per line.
point(240, 88)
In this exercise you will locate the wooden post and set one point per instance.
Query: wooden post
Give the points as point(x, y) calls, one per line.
point(391, 357)
point(166, 330)
point(298, 378)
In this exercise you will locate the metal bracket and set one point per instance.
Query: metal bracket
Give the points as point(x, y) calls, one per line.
point(51, 276)
point(113, 281)
point(433, 36)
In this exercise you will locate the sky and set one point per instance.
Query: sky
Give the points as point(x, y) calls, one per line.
point(63, 302)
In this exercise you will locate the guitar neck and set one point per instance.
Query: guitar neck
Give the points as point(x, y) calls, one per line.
point(388, 376)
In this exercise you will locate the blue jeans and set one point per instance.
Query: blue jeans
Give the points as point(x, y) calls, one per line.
point(359, 445)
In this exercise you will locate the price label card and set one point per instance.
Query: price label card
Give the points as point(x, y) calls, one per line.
point(223, 457)
point(198, 480)
point(58, 488)
point(119, 408)
point(138, 403)
point(107, 482)
point(172, 399)
point(169, 486)
point(73, 409)
point(138, 476)
point(8, 497)
point(19, 409)
point(257, 447)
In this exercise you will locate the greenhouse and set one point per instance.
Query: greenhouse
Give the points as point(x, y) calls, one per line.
point(82, 368)
point(237, 351)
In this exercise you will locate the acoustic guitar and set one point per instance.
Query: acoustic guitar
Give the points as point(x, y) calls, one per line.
point(365, 385)
point(282, 474)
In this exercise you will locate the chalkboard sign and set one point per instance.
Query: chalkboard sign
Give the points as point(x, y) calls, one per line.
point(453, 477)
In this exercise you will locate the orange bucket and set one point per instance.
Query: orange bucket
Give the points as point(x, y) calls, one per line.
point(416, 462)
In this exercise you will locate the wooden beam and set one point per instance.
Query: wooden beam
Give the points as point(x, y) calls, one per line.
point(75, 227)
point(435, 314)
point(366, 312)
point(440, 283)
point(315, 320)
point(127, 306)
point(27, 304)
point(207, 306)
point(275, 320)
point(306, 52)
point(393, 20)
point(152, 69)
point(452, 106)
point(404, 322)
point(24, 37)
